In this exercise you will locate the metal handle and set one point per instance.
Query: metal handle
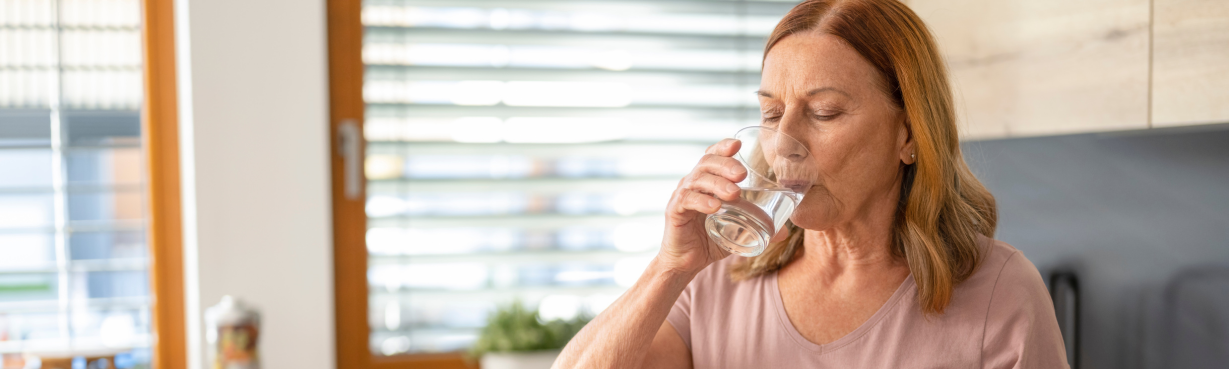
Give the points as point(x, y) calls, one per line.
point(350, 149)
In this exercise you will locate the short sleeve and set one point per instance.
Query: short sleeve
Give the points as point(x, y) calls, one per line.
point(1021, 330)
point(680, 314)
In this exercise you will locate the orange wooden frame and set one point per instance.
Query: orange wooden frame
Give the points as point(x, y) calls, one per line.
point(160, 142)
point(345, 35)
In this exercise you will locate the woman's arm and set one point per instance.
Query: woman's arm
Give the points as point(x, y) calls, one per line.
point(633, 328)
point(628, 331)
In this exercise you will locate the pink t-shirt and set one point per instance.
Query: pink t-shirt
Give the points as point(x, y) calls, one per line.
point(1001, 317)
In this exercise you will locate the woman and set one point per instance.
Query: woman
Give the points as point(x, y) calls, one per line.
point(889, 261)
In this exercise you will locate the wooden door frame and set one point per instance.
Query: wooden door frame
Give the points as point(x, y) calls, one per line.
point(160, 143)
point(345, 46)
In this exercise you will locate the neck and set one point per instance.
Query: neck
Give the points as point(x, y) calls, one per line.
point(857, 250)
point(835, 253)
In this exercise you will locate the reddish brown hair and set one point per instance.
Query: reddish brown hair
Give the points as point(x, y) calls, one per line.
point(943, 208)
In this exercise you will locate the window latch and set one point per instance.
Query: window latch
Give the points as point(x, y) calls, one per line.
point(350, 149)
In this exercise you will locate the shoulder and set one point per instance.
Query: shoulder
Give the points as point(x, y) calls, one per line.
point(713, 286)
point(1020, 328)
point(719, 271)
point(706, 297)
point(1008, 271)
point(1004, 289)
point(715, 278)
point(1002, 267)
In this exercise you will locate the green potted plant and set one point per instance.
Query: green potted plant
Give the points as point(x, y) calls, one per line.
point(517, 338)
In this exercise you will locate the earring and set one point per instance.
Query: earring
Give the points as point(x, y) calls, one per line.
point(912, 156)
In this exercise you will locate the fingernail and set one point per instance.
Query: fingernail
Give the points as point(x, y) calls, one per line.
point(714, 203)
point(731, 188)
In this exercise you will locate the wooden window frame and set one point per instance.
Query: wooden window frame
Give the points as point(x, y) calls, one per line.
point(160, 143)
point(345, 45)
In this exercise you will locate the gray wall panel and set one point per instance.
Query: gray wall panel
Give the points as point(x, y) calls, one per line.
point(1124, 211)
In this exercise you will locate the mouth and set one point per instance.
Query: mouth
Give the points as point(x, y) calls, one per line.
point(796, 185)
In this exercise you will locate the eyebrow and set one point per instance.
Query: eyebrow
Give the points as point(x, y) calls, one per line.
point(809, 93)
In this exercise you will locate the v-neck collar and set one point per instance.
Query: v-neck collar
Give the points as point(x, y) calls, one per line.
point(775, 290)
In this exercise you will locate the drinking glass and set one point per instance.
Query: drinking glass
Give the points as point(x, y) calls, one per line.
point(779, 173)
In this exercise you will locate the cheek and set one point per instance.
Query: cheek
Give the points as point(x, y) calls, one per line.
point(863, 172)
point(846, 184)
point(866, 152)
point(833, 157)
point(849, 167)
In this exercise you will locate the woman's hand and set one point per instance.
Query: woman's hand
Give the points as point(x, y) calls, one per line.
point(621, 336)
point(686, 246)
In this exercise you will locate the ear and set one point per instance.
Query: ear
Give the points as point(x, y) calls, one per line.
point(907, 147)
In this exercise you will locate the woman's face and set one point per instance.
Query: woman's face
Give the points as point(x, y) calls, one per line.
point(819, 90)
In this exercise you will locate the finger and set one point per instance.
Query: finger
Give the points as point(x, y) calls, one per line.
point(688, 200)
point(723, 166)
point(713, 185)
point(725, 147)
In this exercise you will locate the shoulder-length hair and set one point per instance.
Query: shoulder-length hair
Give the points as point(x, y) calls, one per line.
point(943, 208)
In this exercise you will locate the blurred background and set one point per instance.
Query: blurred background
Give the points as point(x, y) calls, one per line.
point(525, 150)
point(72, 248)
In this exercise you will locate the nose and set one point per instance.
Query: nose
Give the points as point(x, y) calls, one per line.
point(790, 148)
point(791, 132)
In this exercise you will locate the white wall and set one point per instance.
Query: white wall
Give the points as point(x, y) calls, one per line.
point(254, 114)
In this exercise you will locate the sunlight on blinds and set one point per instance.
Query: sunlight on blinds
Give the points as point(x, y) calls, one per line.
point(73, 279)
point(526, 149)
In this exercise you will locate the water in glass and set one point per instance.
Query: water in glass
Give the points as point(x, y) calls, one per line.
point(744, 226)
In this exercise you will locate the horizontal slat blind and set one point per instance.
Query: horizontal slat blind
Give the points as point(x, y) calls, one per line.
point(526, 149)
point(73, 277)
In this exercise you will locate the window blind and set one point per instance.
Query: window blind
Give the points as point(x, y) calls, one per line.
point(73, 273)
point(527, 149)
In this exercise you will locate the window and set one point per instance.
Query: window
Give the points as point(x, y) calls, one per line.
point(73, 278)
point(526, 150)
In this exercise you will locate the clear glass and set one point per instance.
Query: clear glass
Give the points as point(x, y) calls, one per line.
point(779, 173)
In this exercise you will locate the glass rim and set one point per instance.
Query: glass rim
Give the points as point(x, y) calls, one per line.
point(804, 147)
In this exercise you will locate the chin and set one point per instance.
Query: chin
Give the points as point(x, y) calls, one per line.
point(817, 210)
point(813, 213)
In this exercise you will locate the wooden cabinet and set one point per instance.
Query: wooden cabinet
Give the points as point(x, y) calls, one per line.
point(1041, 67)
point(1190, 62)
